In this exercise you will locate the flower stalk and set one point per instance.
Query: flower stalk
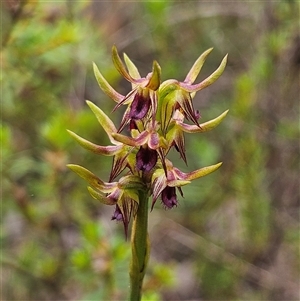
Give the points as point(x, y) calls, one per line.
point(157, 117)
point(140, 248)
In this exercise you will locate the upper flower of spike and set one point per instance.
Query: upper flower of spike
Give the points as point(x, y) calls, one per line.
point(178, 95)
point(142, 99)
point(176, 129)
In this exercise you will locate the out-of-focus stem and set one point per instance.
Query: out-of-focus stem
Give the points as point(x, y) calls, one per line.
point(140, 247)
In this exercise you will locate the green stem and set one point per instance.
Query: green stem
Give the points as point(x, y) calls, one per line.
point(140, 247)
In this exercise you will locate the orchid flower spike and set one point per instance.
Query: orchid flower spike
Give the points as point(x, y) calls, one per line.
point(157, 116)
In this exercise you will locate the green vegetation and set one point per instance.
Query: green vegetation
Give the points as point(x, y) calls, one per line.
point(234, 236)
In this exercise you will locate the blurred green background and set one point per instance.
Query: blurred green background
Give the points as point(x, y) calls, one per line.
point(235, 234)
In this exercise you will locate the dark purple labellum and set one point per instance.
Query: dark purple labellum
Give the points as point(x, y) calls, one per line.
point(118, 216)
point(169, 197)
point(146, 159)
point(139, 106)
point(132, 125)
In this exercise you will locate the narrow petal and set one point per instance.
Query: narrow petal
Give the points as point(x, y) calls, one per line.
point(175, 135)
point(178, 183)
point(119, 164)
point(98, 149)
point(132, 69)
point(100, 197)
point(159, 182)
point(120, 66)
point(126, 100)
point(208, 81)
point(128, 207)
point(197, 173)
point(140, 140)
point(92, 179)
point(125, 120)
point(185, 101)
point(104, 120)
point(195, 70)
point(154, 103)
point(162, 156)
point(105, 86)
point(204, 127)
point(154, 81)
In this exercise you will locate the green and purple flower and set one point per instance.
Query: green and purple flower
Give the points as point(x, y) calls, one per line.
point(155, 115)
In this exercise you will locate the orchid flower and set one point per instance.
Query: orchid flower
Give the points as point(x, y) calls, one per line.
point(174, 94)
point(165, 185)
point(123, 194)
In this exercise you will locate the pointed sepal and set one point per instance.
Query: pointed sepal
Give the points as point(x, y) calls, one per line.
point(120, 66)
point(204, 127)
point(91, 178)
point(132, 69)
point(208, 81)
point(154, 80)
point(101, 197)
point(104, 120)
point(106, 87)
point(197, 173)
point(97, 149)
point(195, 70)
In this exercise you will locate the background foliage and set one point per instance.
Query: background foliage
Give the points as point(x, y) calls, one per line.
point(235, 235)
